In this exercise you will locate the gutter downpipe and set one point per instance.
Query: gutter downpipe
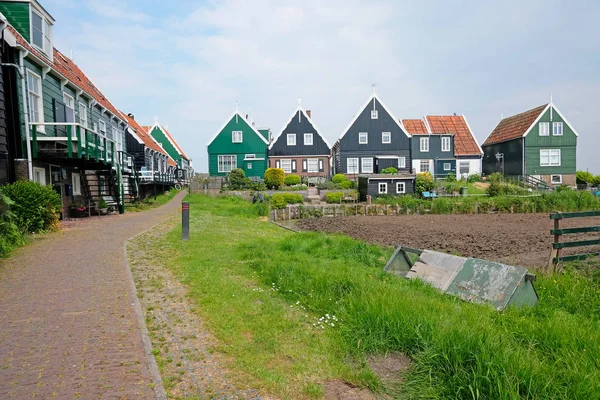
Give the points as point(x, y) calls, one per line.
point(22, 55)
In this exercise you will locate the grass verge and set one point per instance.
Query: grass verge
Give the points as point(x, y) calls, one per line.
point(151, 202)
point(266, 293)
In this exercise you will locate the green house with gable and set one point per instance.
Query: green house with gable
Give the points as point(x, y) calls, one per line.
point(238, 144)
point(539, 144)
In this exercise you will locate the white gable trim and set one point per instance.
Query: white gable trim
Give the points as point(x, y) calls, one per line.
point(299, 108)
point(136, 137)
point(244, 119)
point(373, 96)
point(157, 125)
point(473, 136)
point(536, 120)
point(564, 119)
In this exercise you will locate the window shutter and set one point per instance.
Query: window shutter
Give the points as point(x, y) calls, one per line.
point(277, 164)
point(294, 166)
point(321, 169)
point(304, 166)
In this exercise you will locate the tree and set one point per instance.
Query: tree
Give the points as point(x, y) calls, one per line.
point(424, 183)
point(274, 178)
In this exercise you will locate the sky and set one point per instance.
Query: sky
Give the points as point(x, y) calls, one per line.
point(188, 62)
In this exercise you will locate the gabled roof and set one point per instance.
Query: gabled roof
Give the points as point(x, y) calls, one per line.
point(371, 98)
point(236, 112)
point(465, 143)
point(301, 109)
point(169, 137)
point(516, 126)
point(143, 135)
point(415, 126)
point(69, 70)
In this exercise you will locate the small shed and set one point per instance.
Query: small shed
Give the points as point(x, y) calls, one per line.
point(382, 185)
point(471, 279)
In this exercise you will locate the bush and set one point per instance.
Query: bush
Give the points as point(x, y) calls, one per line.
point(450, 178)
point(334, 197)
point(292, 179)
point(339, 178)
point(347, 185)
point(328, 185)
point(584, 177)
point(274, 178)
point(424, 183)
point(389, 171)
point(474, 178)
point(10, 237)
point(260, 209)
point(596, 181)
point(237, 178)
point(281, 200)
point(495, 177)
point(36, 208)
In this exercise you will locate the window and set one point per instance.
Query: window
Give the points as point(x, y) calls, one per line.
point(424, 144)
point(250, 156)
point(286, 166)
point(34, 89)
point(374, 114)
point(313, 165)
point(39, 175)
point(367, 165)
point(76, 180)
point(424, 167)
point(556, 179)
point(544, 128)
point(447, 166)
point(41, 33)
point(291, 139)
point(550, 158)
point(102, 127)
point(382, 186)
point(227, 163)
point(400, 187)
point(308, 139)
point(386, 137)
point(118, 138)
point(464, 168)
point(557, 128)
point(249, 165)
point(352, 167)
point(401, 162)
point(83, 119)
point(112, 133)
point(70, 107)
point(236, 137)
point(363, 138)
point(445, 143)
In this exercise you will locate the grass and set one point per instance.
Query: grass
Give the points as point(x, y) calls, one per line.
point(261, 291)
point(151, 202)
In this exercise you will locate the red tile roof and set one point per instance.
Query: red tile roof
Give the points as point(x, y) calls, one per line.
point(143, 134)
point(415, 126)
point(464, 141)
point(514, 127)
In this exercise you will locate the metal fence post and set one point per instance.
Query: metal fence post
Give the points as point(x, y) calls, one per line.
point(185, 221)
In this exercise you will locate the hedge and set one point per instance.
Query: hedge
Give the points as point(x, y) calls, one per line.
point(36, 208)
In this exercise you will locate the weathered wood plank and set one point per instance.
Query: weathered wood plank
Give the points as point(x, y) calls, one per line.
point(567, 231)
point(580, 243)
point(579, 214)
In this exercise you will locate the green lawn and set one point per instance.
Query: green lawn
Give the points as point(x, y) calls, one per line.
point(151, 202)
point(263, 290)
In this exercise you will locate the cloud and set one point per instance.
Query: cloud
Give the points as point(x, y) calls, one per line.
point(115, 10)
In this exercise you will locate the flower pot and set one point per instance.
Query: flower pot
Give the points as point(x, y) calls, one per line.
point(79, 213)
point(103, 211)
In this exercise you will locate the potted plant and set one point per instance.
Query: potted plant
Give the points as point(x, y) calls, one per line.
point(78, 210)
point(103, 207)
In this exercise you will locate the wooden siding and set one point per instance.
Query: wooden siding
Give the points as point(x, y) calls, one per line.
point(567, 167)
point(435, 147)
point(378, 164)
point(299, 125)
point(367, 186)
point(17, 14)
point(533, 138)
point(513, 158)
point(257, 171)
point(161, 138)
point(136, 150)
point(4, 159)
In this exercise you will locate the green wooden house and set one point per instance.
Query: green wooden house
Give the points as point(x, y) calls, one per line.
point(172, 148)
point(539, 143)
point(238, 144)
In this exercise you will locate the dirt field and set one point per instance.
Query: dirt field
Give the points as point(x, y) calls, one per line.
point(517, 239)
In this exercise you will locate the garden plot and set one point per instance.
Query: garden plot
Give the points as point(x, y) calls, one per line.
point(514, 239)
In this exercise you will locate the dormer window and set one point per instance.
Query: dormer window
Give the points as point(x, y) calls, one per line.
point(41, 33)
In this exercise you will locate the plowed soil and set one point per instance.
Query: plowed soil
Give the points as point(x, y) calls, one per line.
point(516, 239)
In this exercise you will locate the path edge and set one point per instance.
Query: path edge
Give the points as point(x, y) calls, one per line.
point(151, 364)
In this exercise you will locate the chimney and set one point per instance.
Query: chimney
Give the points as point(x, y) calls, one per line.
point(308, 112)
point(130, 115)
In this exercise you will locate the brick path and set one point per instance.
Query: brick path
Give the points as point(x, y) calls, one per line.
point(68, 325)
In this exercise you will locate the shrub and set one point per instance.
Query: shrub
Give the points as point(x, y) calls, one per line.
point(584, 177)
point(339, 178)
point(424, 183)
point(280, 200)
point(596, 181)
point(334, 197)
point(36, 207)
point(495, 177)
point(328, 185)
point(10, 237)
point(293, 198)
point(274, 178)
point(474, 178)
point(389, 171)
point(292, 179)
point(347, 185)
point(260, 209)
point(450, 178)
point(237, 178)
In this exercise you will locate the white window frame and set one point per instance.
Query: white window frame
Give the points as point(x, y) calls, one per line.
point(118, 138)
point(40, 101)
point(237, 136)
point(446, 143)
point(249, 156)
point(363, 135)
point(549, 152)
point(83, 115)
point(249, 165)
point(462, 163)
point(355, 165)
point(423, 162)
point(559, 182)
point(221, 162)
point(76, 183)
point(102, 127)
point(424, 144)
point(308, 139)
point(42, 172)
point(399, 185)
point(315, 166)
point(67, 98)
point(401, 162)
point(385, 135)
point(366, 169)
point(46, 32)
point(381, 185)
point(447, 166)
point(291, 139)
point(374, 114)
point(555, 126)
point(544, 128)
point(283, 165)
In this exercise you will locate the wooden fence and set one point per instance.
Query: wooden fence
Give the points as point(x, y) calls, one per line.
point(556, 256)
